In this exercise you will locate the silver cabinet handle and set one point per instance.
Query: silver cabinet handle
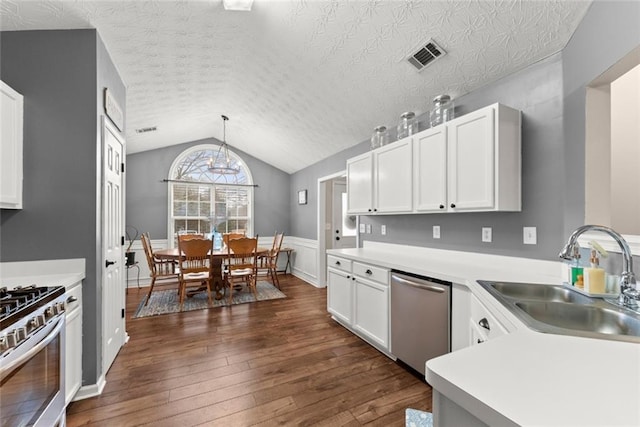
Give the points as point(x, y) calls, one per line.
point(369, 272)
point(71, 299)
point(337, 262)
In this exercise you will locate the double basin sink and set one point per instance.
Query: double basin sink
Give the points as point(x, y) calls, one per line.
point(559, 310)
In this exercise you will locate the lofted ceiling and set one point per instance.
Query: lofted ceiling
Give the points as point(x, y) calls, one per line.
point(300, 79)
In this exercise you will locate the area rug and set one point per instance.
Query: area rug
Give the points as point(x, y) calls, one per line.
point(166, 301)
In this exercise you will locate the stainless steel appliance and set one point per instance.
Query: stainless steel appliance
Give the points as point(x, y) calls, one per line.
point(32, 338)
point(420, 319)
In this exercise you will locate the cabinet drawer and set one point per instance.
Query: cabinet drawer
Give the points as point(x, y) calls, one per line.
point(378, 274)
point(73, 298)
point(339, 263)
point(482, 318)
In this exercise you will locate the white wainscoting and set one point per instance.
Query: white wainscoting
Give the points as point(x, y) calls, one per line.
point(304, 259)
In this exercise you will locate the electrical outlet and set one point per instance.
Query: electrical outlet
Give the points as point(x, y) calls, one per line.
point(529, 236)
point(363, 228)
point(436, 231)
point(368, 228)
point(383, 229)
point(486, 234)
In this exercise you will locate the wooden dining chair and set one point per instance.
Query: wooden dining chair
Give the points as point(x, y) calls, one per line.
point(190, 236)
point(268, 263)
point(196, 266)
point(241, 264)
point(229, 236)
point(160, 270)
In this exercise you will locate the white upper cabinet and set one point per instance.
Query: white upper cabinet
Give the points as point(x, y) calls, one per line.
point(392, 177)
point(470, 164)
point(430, 166)
point(380, 181)
point(360, 184)
point(484, 163)
point(11, 113)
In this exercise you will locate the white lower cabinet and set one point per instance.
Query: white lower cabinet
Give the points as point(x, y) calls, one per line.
point(371, 315)
point(483, 325)
point(73, 346)
point(358, 297)
point(340, 295)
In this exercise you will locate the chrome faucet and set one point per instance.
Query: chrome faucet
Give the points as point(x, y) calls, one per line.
point(629, 294)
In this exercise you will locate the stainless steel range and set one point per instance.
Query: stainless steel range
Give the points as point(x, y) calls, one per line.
point(32, 338)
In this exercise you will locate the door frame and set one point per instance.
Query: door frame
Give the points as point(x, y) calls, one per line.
point(322, 219)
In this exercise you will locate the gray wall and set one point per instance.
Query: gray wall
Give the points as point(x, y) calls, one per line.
point(57, 73)
point(609, 31)
point(550, 95)
point(147, 204)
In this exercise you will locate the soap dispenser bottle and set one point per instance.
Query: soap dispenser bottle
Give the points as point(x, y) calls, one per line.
point(576, 272)
point(594, 276)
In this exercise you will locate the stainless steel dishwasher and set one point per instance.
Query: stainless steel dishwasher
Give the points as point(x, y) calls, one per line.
point(420, 318)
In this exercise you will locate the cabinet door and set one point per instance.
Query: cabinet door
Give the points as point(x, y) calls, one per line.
point(11, 112)
point(471, 161)
point(371, 316)
point(360, 184)
point(340, 295)
point(392, 177)
point(430, 165)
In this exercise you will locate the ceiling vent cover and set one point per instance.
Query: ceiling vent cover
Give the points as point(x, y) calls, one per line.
point(426, 54)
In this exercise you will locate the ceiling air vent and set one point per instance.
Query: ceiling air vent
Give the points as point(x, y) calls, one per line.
point(425, 55)
point(149, 129)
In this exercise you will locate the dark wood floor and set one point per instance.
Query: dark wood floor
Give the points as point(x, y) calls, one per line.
point(278, 362)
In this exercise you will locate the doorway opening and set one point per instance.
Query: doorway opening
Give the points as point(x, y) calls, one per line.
point(336, 229)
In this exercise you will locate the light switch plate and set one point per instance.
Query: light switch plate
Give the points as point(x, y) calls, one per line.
point(383, 229)
point(436, 231)
point(529, 236)
point(368, 228)
point(363, 228)
point(486, 234)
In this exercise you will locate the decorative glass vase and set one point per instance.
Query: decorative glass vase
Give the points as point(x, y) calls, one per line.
point(407, 125)
point(380, 137)
point(442, 111)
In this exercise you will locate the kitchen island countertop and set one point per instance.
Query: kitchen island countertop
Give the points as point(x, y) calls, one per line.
point(525, 377)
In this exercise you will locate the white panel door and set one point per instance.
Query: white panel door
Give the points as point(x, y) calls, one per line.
point(471, 161)
point(343, 231)
point(393, 177)
point(360, 184)
point(430, 164)
point(113, 302)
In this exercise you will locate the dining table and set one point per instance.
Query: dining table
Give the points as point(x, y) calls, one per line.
point(217, 255)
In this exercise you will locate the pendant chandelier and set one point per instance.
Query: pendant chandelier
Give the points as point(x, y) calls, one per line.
point(221, 163)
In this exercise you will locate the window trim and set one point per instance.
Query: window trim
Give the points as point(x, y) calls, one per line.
point(180, 158)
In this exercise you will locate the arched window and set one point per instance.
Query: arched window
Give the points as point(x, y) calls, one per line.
point(201, 201)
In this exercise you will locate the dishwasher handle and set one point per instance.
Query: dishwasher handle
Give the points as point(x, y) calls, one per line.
point(431, 288)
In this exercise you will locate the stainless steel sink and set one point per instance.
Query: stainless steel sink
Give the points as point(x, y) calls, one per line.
point(539, 292)
point(590, 318)
point(559, 310)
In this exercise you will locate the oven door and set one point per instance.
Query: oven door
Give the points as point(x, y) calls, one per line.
point(32, 379)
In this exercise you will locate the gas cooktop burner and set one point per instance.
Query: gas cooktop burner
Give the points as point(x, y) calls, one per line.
point(19, 302)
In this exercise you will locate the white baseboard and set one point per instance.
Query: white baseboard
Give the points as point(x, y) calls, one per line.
point(91, 390)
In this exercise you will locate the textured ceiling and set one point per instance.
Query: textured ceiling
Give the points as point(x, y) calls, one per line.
point(300, 79)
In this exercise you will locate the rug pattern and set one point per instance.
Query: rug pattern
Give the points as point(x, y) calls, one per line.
point(166, 301)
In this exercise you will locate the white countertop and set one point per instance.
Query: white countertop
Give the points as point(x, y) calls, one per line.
point(525, 377)
point(63, 272)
